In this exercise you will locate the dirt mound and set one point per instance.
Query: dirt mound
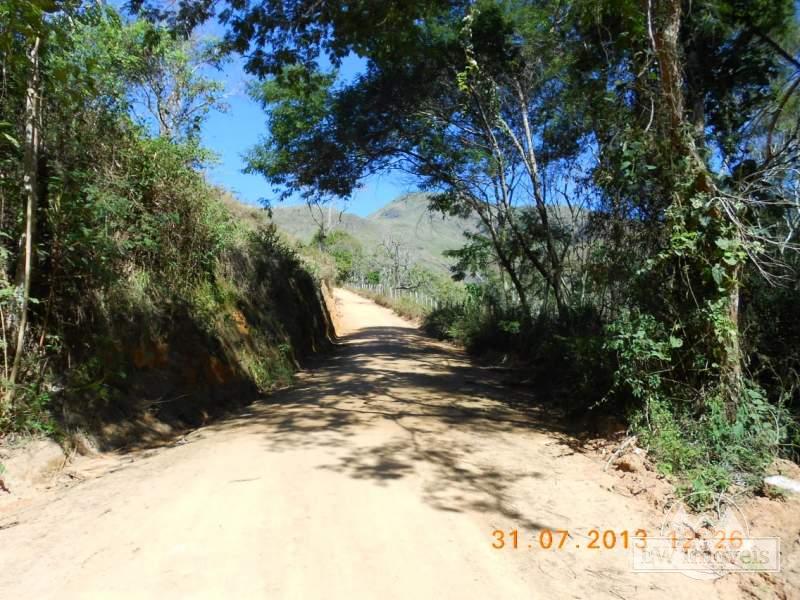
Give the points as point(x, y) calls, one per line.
point(31, 465)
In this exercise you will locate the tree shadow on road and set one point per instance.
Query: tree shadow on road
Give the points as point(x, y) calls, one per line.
point(391, 404)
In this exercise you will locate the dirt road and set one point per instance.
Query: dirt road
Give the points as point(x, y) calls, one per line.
point(382, 474)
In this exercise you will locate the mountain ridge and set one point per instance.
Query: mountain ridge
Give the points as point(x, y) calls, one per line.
point(406, 219)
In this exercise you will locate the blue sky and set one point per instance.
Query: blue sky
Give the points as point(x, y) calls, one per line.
point(231, 134)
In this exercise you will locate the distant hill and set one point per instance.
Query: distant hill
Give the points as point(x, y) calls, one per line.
point(406, 219)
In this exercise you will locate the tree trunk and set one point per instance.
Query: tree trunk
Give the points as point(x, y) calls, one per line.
point(683, 136)
point(30, 186)
point(556, 264)
point(507, 265)
point(515, 281)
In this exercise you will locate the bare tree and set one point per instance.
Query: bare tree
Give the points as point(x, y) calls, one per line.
point(396, 262)
point(170, 84)
point(529, 209)
point(30, 187)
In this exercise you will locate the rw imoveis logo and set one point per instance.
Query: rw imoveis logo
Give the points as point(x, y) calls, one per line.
point(706, 546)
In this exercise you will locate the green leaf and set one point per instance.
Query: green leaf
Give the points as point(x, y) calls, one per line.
point(12, 140)
point(718, 273)
point(724, 244)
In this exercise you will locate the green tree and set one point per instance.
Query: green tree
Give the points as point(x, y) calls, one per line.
point(86, 196)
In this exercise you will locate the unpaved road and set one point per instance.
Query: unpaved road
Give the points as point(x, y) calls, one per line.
point(381, 475)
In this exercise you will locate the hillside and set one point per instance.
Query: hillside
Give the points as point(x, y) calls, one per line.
point(407, 219)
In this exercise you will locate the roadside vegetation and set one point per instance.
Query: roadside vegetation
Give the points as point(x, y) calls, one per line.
point(128, 289)
point(633, 169)
point(385, 272)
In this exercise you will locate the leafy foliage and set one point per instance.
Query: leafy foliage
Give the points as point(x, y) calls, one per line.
point(634, 171)
point(132, 248)
point(631, 171)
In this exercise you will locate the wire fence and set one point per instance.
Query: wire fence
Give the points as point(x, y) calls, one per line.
point(507, 304)
point(466, 303)
point(396, 293)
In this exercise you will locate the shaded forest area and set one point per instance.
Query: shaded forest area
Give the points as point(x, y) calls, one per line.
point(632, 165)
point(130, 294)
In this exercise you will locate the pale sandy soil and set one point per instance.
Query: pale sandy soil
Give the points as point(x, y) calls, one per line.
point(381, 475)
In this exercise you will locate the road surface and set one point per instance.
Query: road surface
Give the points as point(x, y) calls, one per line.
point(382, 474)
